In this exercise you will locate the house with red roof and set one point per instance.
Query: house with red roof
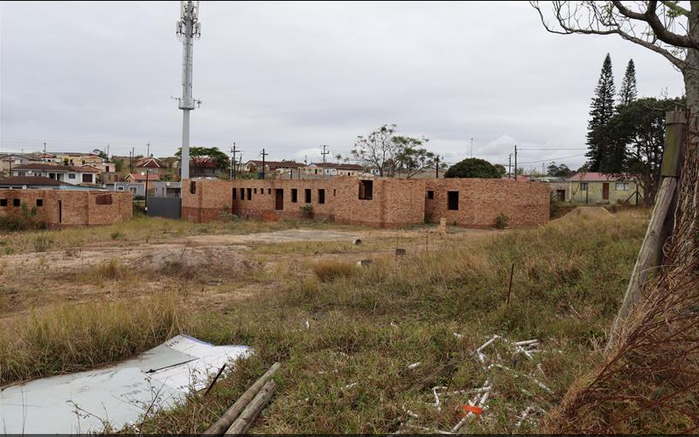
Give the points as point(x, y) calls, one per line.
point(592, 188)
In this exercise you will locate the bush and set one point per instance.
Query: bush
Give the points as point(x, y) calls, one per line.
point(116, 235)
point(227, 215)
point(25, 220)
point(42, 243)
point(307, 212)
point(328, 271)
point(501, 221)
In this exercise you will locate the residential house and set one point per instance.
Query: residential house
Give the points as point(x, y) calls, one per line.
point(82, 175)
point(135, 188)
point(8, 161)
point(601, 188)
point(272, 166)
point(38, 183)
point(204, 167)
point(145, 178)
point(152, 165)
point(77, 158)
point(319, 170)
point(167, 189)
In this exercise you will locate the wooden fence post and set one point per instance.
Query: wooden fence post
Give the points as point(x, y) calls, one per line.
point(660, 226)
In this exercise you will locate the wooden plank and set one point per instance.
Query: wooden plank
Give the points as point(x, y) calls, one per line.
point(222, 424)
point(244, 422)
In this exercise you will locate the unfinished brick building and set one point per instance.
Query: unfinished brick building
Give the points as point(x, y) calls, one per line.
point(380, 202)
point(65, 208)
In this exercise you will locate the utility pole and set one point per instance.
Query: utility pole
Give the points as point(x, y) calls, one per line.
point(263, 163)
point(148, 150)
point(471, 147)
point(232, 169)
point(324, 152)
point(509, 167)
point(515, 161)
point(107, 152)
point(44, 147)
point(188, 29)
point(436, 167)
point(133, 155)
point(147, 176)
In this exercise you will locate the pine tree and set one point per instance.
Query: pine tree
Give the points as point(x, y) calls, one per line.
point(601, 111)
point(628, 92)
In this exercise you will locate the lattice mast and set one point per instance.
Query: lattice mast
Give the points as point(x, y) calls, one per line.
point(188, 29)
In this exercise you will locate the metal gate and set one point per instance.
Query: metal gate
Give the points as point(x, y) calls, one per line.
point(168, 207)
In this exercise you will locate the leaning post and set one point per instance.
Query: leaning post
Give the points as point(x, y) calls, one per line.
point(661, 222)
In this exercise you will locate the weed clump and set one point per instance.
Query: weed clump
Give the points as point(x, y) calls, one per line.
point(501, 221)
point(328, 271)
point(42, 243)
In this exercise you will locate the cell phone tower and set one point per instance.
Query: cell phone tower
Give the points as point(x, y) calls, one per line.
point(188, 29)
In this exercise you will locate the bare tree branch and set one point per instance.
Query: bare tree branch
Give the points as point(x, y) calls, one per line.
point(651, 17)
point(593, 18)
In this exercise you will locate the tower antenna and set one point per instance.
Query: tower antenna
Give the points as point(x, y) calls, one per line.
point(188, 29)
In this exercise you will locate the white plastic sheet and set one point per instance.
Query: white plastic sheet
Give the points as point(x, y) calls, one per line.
point(118, 395)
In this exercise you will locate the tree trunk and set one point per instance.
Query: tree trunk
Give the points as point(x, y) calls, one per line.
point(691, 71)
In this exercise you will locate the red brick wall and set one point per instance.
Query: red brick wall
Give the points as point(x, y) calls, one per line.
point(481, 200)
point(395, 202)
point(78, 208)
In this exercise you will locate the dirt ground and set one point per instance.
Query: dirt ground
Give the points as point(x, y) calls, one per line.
point(210, 269)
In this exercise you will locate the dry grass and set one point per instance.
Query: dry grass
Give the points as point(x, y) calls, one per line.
point(330, 270)
point(360, 328)
point(345, 344)
point(69, 338)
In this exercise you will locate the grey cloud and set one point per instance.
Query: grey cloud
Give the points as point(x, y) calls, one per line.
point(291, 76)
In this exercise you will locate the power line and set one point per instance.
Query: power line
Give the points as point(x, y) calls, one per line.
point(552, 159)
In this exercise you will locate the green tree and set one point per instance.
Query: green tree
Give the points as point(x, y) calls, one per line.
point(411, 158)
point(601, 111)
point(560, 171)
point(213, 153)
point(639, 133)
point(628, 92)
point(472, 168)
point(377, 149)
point(501, 169)
point(390, 153)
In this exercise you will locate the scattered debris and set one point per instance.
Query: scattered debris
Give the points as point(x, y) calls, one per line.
point(349, 386)
point(478, 402)
point(364, 262)
point(357, 241)
point(400, 252)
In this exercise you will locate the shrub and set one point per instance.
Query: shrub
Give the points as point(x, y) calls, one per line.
point(328, 271)
point(501, 221)
point(227, 215)
point(116, 235)
point(42, 243)
point(23, 221)
point(307, 212)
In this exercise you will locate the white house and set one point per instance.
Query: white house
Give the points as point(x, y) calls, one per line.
point(83, 175)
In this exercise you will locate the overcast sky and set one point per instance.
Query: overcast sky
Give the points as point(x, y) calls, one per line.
point(289, 77)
